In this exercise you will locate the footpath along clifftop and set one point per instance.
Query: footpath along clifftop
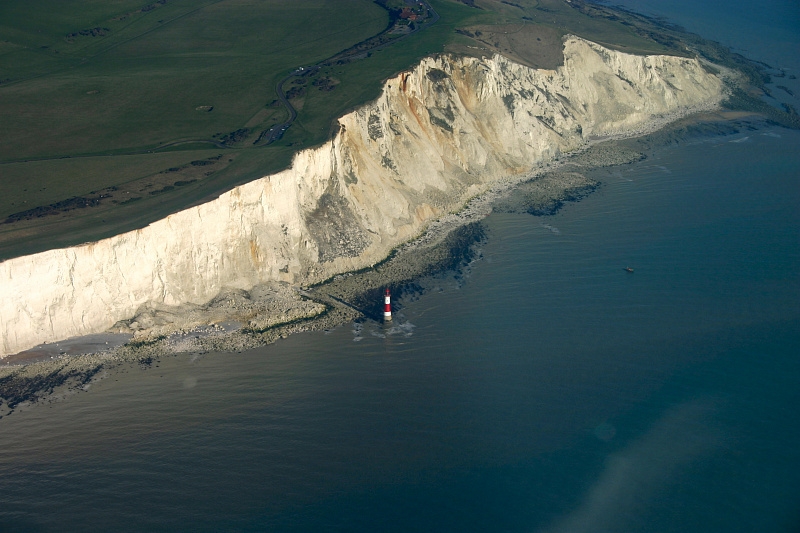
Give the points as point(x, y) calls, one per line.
point(437, 136)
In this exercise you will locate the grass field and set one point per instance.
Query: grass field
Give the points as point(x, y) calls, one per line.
point(104, 100)
point(139, 87)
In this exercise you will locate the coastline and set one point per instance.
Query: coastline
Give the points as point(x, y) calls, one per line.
point(448, 244)
point(237, 320)
point(387, 174)
point(622, 324)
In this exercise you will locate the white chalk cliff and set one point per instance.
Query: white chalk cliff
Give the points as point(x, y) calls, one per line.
point(436, 136)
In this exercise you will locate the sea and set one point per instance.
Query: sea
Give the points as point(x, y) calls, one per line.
point(542, 389)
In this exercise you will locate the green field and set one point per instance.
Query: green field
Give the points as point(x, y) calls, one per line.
point(120, 102)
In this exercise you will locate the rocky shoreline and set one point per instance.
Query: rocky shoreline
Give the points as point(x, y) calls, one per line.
point(238, 320)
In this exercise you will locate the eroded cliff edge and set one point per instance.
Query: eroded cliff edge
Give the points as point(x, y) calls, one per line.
point(437, 135)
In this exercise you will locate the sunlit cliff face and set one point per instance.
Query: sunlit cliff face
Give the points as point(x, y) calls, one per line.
point(436, 136)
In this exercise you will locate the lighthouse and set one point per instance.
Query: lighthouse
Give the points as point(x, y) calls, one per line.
point(387, 305)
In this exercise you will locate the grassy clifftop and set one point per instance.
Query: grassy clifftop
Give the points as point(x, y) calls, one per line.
point(116, 114)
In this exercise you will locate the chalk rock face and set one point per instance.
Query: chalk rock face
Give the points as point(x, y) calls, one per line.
point(436, 136)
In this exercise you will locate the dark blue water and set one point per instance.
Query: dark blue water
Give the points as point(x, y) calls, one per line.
point(549, 391)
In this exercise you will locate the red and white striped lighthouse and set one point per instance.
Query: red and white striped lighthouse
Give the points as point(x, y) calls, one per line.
point(387, 305)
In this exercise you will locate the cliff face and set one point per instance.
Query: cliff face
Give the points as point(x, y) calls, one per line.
point(435, 137)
